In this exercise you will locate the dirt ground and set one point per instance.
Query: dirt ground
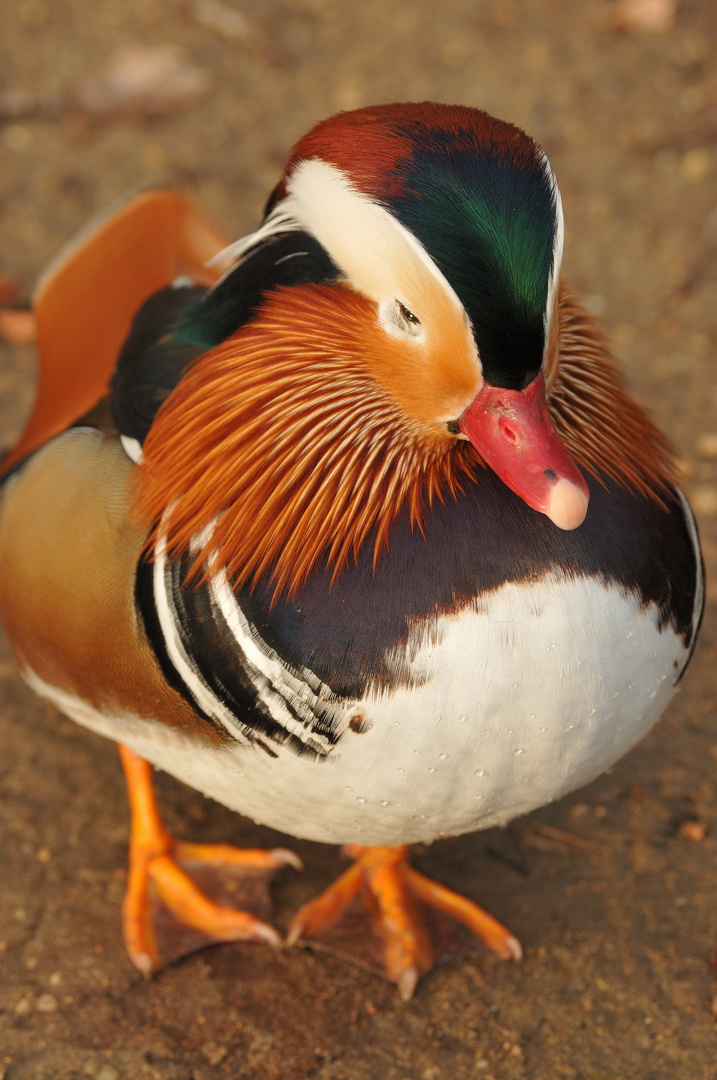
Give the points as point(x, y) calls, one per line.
point(613, 892)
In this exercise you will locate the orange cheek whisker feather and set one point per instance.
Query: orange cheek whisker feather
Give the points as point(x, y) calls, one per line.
point(603, 429)
point(329, 447)
point(297, 453)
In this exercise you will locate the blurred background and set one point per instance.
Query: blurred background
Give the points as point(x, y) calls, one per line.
point(612, 892)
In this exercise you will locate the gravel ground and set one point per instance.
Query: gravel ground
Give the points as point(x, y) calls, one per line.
point(613, 890)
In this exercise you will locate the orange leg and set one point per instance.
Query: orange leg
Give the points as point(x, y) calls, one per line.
point(399, 890)
point(154, 869)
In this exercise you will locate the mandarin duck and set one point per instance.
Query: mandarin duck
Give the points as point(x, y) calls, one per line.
point(351, 525)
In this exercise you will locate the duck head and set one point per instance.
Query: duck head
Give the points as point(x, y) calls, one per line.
point(450, 223)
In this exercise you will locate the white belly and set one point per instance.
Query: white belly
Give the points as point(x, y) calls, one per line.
point(513, 703)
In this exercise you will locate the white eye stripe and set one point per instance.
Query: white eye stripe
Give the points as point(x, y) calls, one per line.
point(278, 221)
point(379, 256)
point(554, 279)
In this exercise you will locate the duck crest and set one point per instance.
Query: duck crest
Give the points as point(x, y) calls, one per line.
point(280, 448)
point(376, 145)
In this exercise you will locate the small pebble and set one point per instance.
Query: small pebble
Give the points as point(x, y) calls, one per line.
point(706, 446)
point(214, 1053)
point(23, 1007)
point(644, 16)
point(46, 1003)
point(103, 1072)
point(692, 830)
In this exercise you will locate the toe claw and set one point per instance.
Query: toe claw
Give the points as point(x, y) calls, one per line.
point(143, 963)
point(263, 932)
point(294, 933)
point(513, 948)
point(285, 857)
point(407, 984)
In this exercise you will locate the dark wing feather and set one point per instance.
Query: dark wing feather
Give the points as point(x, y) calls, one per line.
point(180, 323)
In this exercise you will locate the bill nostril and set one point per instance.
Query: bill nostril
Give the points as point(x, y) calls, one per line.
point(508, 432)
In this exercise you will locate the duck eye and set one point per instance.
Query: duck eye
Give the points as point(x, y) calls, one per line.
point(406, 317)
point(397, 320)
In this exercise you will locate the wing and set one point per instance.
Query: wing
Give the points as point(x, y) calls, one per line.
point(185, 320)
point(85, 303)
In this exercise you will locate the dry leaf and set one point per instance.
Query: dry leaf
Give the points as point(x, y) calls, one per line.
point(232, 24)
point(140, 81)
point(224, 19)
